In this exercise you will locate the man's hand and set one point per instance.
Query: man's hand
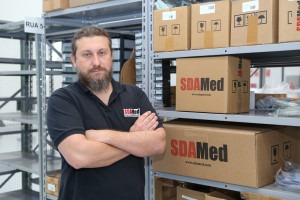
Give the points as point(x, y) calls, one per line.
point(145, 122)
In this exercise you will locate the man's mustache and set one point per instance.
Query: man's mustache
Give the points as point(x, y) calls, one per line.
point(98, 68)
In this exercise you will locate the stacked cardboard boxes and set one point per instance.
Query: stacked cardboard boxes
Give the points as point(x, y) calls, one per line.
point(226, 23)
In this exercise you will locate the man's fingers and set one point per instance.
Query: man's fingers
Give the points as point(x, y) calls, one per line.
point(144, 116)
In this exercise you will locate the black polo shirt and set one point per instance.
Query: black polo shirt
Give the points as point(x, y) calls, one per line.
point(74, 109)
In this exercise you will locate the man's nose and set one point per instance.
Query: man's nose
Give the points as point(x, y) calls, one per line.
point(96, 60)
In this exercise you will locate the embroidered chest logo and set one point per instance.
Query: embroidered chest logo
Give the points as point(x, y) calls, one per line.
point(131, 112)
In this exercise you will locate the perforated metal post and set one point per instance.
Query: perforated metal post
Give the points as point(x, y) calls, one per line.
point(41, 105)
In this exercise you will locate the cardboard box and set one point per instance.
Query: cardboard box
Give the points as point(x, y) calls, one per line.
point(185, 193)
point(50, 5)
point(254, 22)
point(254, 196)
point(213, 84)
point(292, 145)
point(289, 21)
point(210, 25)
point(165, 189)
point(228, 153)
point(172, 29)
point(53, 183)
point(75, 3)
point(173, 95)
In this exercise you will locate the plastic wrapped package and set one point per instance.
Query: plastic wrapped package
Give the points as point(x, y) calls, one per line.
point(285, 107)
point(288, 178)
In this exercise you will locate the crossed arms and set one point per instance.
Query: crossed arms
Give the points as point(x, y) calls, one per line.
point(99, 148)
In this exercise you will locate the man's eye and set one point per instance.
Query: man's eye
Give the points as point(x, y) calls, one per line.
point(87, 55)
point(102, 53)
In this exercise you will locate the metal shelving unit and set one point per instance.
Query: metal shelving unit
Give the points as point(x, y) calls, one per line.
point(270, 55)
point(27, 161)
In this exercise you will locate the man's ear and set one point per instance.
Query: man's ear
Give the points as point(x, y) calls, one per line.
point(73, 60)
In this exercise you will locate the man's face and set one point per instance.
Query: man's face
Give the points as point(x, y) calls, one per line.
point(93, 61)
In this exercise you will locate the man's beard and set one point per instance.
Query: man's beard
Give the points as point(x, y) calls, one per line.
point(96, 84)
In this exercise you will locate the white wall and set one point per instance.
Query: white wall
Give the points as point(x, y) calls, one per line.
point(16, 10)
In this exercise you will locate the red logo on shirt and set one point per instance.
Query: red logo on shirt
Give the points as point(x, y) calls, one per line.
point(131, 112)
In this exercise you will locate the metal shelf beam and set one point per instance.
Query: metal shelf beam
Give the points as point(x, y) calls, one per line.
point(28, 162)
point(50, 64)
point(254, 117)
point(20, 195)
point(267, 55)
point(281, 49)
point(20, 117)
point(27, 72)
point(269, 190)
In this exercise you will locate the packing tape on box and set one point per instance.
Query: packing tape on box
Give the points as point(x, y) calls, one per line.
point(208, 39)
point(169, 44)
point(252, 30)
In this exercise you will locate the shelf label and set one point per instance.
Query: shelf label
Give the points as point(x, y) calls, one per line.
point(34, 25)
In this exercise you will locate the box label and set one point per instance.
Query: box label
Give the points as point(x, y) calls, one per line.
point(187, 198)
point(51, 187)
point(250, 6)
point(207, 9)
point(170, 15)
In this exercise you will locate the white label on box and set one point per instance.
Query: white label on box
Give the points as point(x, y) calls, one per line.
point(170, 15)
point(250, 6)
point(207, 9)
point(188, 198)
point(34, 25)
point(51, 187)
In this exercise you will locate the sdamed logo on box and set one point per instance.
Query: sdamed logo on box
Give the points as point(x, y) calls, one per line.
point(201, 84)
point(298, 16)
point(199, 150)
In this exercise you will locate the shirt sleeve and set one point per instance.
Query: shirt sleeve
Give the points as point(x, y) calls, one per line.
point(63, 117)
point(145, 105)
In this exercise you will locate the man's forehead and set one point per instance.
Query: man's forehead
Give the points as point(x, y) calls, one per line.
point(92, 43)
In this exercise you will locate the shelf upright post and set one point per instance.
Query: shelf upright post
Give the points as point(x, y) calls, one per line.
point(25, 106)
point(41, 104)
point(147, 78)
